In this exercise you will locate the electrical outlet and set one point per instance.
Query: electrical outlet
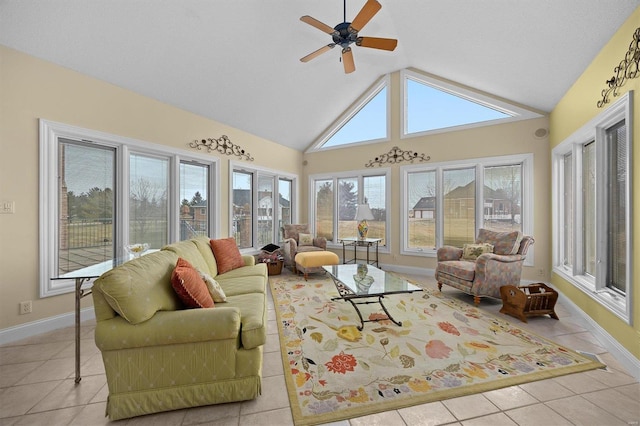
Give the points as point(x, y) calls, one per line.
point(26, 307)
point(541, 272)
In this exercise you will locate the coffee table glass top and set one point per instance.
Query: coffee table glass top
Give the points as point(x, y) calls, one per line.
point(366, 280)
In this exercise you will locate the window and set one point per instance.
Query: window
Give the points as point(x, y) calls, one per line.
point(367, 121)
point(431, 105)
point(100, 192)
point(272, 193)
point(446, 203)
point(333, 206)
point(592, 192)
point(194, 196)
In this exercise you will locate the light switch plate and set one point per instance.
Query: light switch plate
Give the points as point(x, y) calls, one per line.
point(8, 207)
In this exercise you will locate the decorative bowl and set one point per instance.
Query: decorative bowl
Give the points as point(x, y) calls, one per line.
point(136, 250)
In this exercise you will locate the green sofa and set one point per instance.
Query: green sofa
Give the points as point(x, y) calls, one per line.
point(159, 356)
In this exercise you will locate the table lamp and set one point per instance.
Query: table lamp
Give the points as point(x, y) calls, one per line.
point(363, 213)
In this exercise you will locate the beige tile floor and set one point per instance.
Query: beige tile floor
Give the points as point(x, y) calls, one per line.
point(37, 388)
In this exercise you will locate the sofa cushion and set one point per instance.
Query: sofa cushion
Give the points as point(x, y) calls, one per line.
point(233, 286)
point(215, 290)
point(190, 286)
point(305, 239)
point(139, 288)
point(473, 251)
point(227, 255)
point(188, 251)
point(504, 243)
point(204, 246)
point(259, 270)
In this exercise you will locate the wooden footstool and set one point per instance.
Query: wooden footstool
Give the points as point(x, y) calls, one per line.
point(308, 261)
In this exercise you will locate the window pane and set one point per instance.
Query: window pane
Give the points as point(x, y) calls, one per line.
point(285, 188)
point(421, 205)
point(429, 108)
point(347, 203)
point(616, 204)
point(502, 209)
point(374, 192)
point(568, 211)
point(589, 206)
point(265, 210)
point(86, 207)
point(148, 209)
point(242, 208)
point(324, 209)
point(194, 207)
point(459, 207)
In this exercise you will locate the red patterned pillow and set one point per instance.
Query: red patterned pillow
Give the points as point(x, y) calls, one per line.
point(189, 285)
point(227, 255)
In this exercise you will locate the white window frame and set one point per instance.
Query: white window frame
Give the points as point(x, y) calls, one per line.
point(516, 113)
point(344, 118)
point(594, 287)
point(526, 160)
point(359, 175)
point(50, 133)
point(257, 172)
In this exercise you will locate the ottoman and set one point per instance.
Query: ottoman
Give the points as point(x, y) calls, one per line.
point(311, 261)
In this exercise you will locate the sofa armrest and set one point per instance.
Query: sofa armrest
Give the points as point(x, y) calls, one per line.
point(169, 328)
point(445, 253)
point(320, 242)
point(248, 259)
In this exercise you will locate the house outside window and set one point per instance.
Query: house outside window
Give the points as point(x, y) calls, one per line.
point(271, 192)
point(592, 193)
point(446, 203)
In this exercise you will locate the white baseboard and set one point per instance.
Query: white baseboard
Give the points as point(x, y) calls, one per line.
point(44, 325)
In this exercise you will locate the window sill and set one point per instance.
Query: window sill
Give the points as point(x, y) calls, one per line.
point(617, 305)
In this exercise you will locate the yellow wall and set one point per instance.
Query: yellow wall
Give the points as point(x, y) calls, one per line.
point(31, 89)
point(490, 141)
point(575, 109)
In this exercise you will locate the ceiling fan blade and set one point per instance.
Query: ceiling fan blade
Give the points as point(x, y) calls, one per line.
point(319, 25)
point(318, 52)
point(377, 42)
point(367, 12)
point(347, 60)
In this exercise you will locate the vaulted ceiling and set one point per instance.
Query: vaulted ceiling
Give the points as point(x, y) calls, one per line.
point(237, 62)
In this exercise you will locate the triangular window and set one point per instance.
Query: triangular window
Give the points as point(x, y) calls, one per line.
point(367, 121)
point(432, 106)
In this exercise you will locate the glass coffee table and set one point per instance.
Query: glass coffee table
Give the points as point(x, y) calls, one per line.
point(355, 282)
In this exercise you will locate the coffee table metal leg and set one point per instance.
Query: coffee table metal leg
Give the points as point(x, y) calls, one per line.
point(361, 326)
point(384, 308)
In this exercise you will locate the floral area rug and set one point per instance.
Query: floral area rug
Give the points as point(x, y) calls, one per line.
point(444, 349)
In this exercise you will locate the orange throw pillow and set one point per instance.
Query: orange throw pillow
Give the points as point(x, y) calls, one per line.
point(189, 285)
point(227, 254)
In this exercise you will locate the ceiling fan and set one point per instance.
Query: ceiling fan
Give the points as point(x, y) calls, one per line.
point(346, 33)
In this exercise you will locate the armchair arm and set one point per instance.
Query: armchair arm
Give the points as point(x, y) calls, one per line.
point(445, 253)
point(320, 242)
point(290, 246)
point(494, 271)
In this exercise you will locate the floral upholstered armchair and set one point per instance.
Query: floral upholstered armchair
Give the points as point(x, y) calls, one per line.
point(480, 269)
point(297, 239)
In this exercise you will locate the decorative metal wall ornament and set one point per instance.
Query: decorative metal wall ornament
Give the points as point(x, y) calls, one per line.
point(396, 155)
point(223, 145)
point(628, 68)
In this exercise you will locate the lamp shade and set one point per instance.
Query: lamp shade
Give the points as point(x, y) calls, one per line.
point(363, 212)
